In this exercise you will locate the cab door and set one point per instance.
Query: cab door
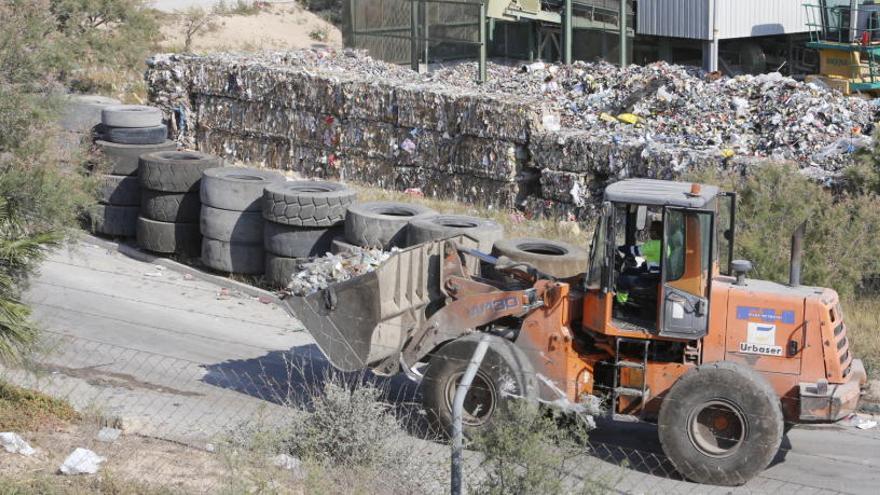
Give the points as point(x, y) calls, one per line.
point(686, 272)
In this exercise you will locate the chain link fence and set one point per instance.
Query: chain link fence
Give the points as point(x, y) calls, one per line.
point(224, 425)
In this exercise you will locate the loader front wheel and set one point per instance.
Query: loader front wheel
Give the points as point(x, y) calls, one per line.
point(505, 375)
point(721, 424)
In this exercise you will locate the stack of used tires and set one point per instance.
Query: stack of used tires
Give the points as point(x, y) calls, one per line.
point(302, 220)
point(555, 258)
point(127, 132)
point(170, 206)
point(232, 218)
point(486, 232)
point(382, 224)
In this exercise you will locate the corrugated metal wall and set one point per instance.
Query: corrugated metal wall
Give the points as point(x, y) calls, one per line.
point(674, 18)
point(744, 18)
point(735, 18)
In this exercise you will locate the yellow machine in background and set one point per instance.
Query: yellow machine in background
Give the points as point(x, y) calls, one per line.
point(846, 34)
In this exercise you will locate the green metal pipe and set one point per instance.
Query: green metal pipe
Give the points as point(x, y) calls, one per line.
point(567, 33)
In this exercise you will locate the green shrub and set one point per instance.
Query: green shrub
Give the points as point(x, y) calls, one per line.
point(840, 241)
point(531, 450)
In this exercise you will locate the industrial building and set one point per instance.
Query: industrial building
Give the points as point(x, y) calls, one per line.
point(734, 36)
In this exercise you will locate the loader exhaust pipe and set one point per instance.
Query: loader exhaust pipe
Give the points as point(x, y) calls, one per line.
point(797, 254)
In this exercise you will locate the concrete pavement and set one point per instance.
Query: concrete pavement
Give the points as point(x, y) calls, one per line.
point(180, 358)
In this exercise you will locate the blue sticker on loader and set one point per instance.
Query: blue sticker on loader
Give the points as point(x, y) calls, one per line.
point(764, 314)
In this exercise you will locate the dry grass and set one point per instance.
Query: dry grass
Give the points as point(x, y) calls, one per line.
point(863, 329)
point(515, 223)
point(26, 410)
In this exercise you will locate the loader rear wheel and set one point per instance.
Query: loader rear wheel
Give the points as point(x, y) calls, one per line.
point(721, 424)
point(505, 375)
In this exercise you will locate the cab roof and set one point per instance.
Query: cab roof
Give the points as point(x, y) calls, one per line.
point(659, 193)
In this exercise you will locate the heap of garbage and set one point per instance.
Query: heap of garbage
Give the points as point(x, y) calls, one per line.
point(537, 136)
point(319, 273)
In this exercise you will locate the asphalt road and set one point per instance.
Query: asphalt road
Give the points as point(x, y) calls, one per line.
point(175, 357)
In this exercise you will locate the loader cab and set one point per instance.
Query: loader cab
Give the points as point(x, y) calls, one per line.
point(654, 253)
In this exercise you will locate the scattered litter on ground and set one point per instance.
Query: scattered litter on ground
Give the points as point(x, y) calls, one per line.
point(223, 294)
point(153, 274)
point(859, 421)
point(321, 272)
point(265, 299)
point(14, 444)
point(108, 435)
point(81, 461)
point(188, 276)
point(286, 461)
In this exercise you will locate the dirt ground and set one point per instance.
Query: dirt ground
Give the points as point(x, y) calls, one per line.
point(275, 27)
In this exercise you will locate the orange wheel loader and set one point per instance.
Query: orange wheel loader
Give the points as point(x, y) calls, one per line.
point(683, 338)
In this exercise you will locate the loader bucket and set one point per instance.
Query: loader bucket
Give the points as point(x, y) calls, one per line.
point(362, 322)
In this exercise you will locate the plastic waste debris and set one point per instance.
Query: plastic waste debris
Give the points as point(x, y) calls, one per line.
point(82, 461)
point(14, 444)
point(322, 272)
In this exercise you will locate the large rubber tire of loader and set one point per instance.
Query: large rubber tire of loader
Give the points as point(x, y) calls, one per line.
point(505, 375)
point(721, 424)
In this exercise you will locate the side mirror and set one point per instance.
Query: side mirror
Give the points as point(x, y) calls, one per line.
point(641, 217)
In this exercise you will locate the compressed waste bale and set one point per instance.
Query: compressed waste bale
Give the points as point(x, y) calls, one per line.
point(168, 238)
point(382, 224)
point(112, 220)
point(427, 107)
point(171, 207)
point(174, 171)
point(232, 226)
point(568, 187)
point(124, 158)
point(279, 270)
point(232, 257)
point(236, 188)
point(555, 258)
point(120, 190)
point(274, 153)
point(135, 135)
point(497, 117)
point(369, 99)
point(83, 112)
point(131, 116)
point(537, 207)
point(486, 232)
point(298, 242)
point(307, 203)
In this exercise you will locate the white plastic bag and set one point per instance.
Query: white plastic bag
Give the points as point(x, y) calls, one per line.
point(14, 444)
point(82, 461)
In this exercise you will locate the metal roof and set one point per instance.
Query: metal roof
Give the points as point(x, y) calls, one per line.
point(659, 192)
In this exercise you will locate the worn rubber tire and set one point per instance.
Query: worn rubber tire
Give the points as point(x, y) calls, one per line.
point(120, 190)
point(168, 237)
point(171, 207)
point(505, 367)
point(135, 135)
point(382, 224)
point(232, 257)
point(486, 232)
point(124, 158)
point(131, 116)
point(279, 270)
point(232, 226)
point(112, 220)
point(557, 259)
point(83, 112)
point(299, 242)
point(738, 385)
point(236, 188)
point(175, 171)
point(307, 203)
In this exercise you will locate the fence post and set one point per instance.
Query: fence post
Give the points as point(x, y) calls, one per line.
point(622, 24)
point(483, 47)
point(414, 35)
point(567, 34)
point(458, 404)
